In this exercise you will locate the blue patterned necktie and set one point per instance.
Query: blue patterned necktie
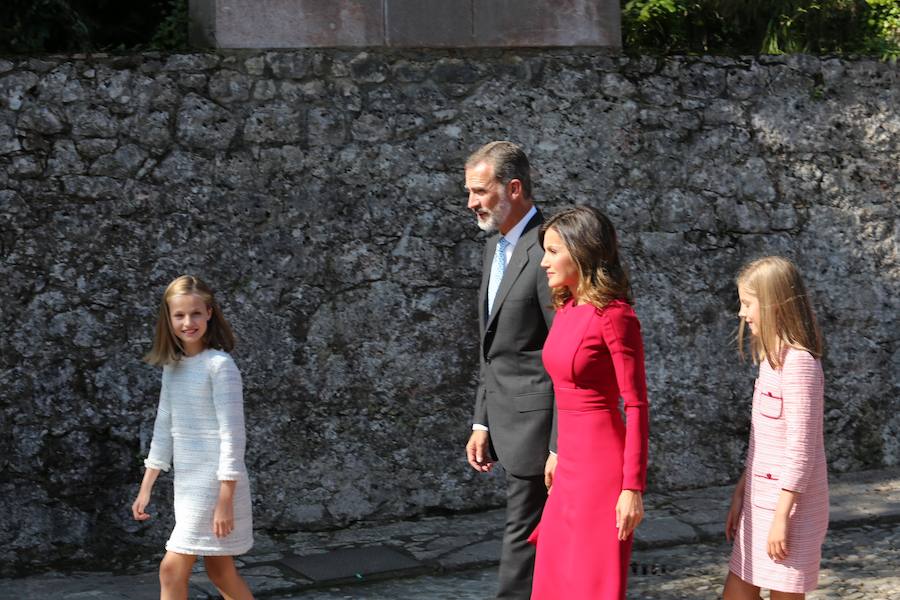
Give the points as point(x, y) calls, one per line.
point(497, 270)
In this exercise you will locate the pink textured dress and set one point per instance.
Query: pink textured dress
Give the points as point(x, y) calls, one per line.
point(787, 451)
point(594, 357)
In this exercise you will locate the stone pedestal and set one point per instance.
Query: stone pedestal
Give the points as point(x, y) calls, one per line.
point(405, 23)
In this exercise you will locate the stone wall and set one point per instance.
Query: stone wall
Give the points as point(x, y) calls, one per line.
point(321, 193)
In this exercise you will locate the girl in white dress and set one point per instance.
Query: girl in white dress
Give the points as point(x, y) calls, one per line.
point(200, 428)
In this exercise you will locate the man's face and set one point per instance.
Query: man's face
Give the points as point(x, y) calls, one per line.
point(487, 196)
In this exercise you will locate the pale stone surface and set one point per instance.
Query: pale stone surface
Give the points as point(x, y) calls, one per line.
point(326, 206)
point(429, 23)
point(290, 23)
point(404, 23)
point(547, 23)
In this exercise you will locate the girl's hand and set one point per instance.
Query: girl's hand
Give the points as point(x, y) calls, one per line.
point(734, 514)
point(140, 503)
point(223, 517)
point(776, 547)
point(629, 512)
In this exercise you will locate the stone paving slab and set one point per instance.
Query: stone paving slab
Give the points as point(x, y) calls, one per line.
point(295, 564)
point(352, 563)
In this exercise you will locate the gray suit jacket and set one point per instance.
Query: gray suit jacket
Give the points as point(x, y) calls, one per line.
point(515, 394)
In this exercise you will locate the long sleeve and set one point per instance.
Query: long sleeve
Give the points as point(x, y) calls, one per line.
point(160, 455)
point(228, 401)
point(480, 417)
point(802, 390)
point(622, 335)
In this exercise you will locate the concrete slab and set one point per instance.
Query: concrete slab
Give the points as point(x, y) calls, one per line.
point(479, 554)
point(404, 23)
point(296, 23)
point(429, 23)
point(548, 23)
point(350, 564)
point(668, 531)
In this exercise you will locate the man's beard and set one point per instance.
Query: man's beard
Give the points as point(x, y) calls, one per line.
point(496, 216)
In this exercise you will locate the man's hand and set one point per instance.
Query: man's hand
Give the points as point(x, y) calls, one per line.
point(550, 471)
point(477, 451)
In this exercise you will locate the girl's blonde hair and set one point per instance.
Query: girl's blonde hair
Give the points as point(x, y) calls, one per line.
point(167, 348)
point(786, 317)
point(590, 238)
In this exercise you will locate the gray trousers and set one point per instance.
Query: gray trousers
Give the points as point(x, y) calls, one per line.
point(525, 498)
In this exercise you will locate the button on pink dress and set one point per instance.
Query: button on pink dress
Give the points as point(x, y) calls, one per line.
point(594, 357)
point(786, 451)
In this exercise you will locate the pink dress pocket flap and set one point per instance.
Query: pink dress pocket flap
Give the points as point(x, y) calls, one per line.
point(764, 490)
point(770, 406)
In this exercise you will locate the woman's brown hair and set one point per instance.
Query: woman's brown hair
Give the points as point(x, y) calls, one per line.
point(786, 316)
point(590, 238)
point(167, 348)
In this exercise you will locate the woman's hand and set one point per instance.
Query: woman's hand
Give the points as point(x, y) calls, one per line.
point(629, 512)
point(550, 471)
point(776, 546)
point(139, 505)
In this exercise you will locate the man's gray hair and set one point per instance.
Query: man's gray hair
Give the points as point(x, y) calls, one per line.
point(509, 162)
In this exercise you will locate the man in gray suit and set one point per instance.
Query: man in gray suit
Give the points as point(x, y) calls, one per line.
point(514, 420)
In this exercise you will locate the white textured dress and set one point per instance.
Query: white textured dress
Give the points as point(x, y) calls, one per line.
point(200, 423)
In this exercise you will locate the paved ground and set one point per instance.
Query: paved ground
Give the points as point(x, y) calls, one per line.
point(679, 553)
point(859, 562)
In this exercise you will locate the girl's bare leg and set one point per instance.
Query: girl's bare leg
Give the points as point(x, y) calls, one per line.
point(773, 595)
point(738, 589)
point(224, 575)
point(174, 575)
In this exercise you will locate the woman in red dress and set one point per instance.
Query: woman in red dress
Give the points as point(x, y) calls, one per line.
point(595, 355)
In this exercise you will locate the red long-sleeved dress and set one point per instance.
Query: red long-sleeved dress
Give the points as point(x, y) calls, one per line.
point(594, 356)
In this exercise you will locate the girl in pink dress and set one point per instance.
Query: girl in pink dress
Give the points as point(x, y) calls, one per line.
point(595, 355)
point(779, 509)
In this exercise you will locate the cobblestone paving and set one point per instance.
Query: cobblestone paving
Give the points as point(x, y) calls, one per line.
point(860, 563)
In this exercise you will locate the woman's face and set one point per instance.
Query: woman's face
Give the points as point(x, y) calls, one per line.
point(188, 316)
point(749, 311)
point(558, 263)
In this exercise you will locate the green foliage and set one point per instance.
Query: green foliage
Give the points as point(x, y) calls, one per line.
point(172, 33)
point(762, 26)
point(30, 26)
point(884, 20)
point(35, 26)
